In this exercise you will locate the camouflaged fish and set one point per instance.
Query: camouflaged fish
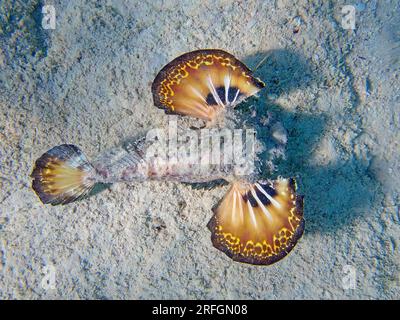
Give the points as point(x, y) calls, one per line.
point(258, 221)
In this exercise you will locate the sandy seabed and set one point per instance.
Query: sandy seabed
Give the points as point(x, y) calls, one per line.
point(87, 82)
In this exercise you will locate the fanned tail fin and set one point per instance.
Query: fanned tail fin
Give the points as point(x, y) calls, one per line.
point(258, 223)
point(62, 175)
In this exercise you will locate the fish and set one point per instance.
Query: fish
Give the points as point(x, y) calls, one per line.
point(63, 174)
point(258, 221)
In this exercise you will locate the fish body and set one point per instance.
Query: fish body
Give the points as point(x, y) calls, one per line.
point(191, 156)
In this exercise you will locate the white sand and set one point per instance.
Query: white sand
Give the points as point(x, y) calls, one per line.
point(88, 83)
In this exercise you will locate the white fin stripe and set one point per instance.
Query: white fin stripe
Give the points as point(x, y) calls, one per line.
point(227, 83)
point(214, 92)
point(198, 94)
point(252, 215)
point(236, 95)
point(241, 210)
point(261, 205)
point(197, 110)
point(252, 93)
point(273, 201)
point(202, 107)
point(234, 207)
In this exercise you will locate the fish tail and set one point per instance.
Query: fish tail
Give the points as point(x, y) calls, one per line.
point(258, 223)
point(62, 175)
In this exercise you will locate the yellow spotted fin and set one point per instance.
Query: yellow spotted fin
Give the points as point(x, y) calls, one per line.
point(202, 83)
point(258, 223)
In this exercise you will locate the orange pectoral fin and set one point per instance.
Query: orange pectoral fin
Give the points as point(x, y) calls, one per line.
point(258, 223)
point(62, 175)
point(201, 83)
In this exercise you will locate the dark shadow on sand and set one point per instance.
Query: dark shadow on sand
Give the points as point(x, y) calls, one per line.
point(98, 188)
point(334, 194)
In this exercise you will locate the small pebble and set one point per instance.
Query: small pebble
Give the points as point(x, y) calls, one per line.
point(297, 22)
point(272, 96)
point(279, 133)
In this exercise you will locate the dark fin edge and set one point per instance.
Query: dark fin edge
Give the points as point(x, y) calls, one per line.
point(270, 260)
point(40, 163)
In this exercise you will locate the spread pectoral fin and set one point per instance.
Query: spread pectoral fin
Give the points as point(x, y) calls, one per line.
point(201, 83)
point(258, 223)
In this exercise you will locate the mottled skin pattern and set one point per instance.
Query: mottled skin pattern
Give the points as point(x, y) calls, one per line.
point(133, 162)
